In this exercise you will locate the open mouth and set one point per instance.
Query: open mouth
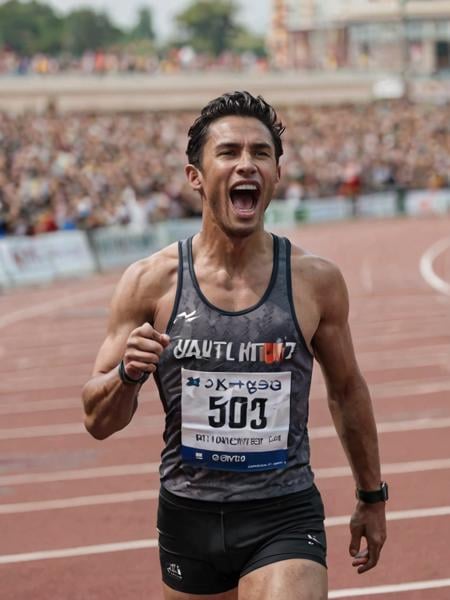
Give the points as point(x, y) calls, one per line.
point(244, 198)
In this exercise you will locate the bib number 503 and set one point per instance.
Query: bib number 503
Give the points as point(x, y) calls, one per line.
point(235, 412)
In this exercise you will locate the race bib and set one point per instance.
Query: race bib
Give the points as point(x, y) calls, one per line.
point(235, 421)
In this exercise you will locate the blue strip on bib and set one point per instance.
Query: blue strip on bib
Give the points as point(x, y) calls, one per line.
point(235, 461)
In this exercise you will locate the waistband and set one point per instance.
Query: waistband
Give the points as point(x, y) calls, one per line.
point(234, 506)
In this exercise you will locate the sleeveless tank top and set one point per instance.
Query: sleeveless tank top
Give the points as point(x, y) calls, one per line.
point(235, 389)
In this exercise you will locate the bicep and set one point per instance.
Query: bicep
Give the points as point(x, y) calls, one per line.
point(332, 342)
point(333, 349)
point(126, 314)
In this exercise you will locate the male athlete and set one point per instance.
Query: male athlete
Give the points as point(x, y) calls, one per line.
point(229, 322)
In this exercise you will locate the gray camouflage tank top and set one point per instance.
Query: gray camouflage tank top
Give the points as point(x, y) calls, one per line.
point(235, 389)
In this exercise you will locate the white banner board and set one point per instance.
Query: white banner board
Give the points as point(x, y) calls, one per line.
point(45, 257)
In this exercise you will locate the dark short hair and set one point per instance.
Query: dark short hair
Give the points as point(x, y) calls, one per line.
point(241, 104)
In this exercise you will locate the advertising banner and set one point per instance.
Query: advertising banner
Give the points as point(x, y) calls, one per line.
point(377, 205)
point(427, 202)
point(45, 257)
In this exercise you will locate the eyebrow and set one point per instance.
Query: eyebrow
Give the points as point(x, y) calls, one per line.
point(255, 146)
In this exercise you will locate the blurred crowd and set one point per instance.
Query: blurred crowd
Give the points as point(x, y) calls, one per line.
point(85, 171)
point(176, 60)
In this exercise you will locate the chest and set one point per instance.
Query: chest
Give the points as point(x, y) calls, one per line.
point(234, 293)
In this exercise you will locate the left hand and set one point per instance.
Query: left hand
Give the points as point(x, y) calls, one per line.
point(369, 521)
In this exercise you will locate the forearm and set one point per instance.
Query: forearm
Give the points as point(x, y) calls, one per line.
point(352, 413)
point(109, 404)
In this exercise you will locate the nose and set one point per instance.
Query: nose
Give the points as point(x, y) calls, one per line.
point(246, 164)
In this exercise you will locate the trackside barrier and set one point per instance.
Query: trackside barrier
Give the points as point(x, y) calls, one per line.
point(4, 279)
point(45, 257)
point(178, 229)
point(285, 213)
point(49, 256)
point(380, 205)
point(120, 246)
point(427, 202)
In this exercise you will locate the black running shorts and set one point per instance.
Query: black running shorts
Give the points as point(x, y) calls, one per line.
point(206, 547)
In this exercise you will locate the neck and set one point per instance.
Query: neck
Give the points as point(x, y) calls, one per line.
point(233, 253)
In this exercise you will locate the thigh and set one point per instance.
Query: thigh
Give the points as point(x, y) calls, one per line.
point(170, 594)
point(191, 551)
point(293, 579)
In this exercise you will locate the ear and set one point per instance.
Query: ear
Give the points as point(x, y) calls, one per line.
point(194, 176)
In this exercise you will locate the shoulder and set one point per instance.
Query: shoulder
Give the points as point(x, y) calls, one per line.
point(323, 273)
point(322, 277)
point(144, 282)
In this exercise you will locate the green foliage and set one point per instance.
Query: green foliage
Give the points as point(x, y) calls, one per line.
point(85, 29)
point(209, 25)
point(29, 28)
point(245, 41)
point(143, 30)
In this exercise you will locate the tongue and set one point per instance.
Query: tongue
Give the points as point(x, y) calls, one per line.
point(242, 200)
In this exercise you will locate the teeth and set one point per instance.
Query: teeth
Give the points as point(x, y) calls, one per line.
point(246, 186)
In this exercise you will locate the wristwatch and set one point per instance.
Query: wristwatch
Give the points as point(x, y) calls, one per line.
point(373, 496)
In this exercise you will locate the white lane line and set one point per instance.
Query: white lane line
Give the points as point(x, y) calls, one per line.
point(390, 589)
point(375, 361)
point(152, 425)
point(153, 467)
point(78, 551)
point(139, 495)
point(388, 427)
point(412, 333)
point(409, 388)
point(78, 501)
point(388, 469)
point(48, 307)
point(398, 515)
point(33, 406)
point(152, 543)
point(12, 406)
point(366, 276)
point(143, 426)
point(427, 270)
point(77, 474)
point(395, 389)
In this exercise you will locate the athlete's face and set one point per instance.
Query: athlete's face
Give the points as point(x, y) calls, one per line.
point(238, 174)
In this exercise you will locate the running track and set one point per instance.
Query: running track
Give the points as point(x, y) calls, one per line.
point(77, 516)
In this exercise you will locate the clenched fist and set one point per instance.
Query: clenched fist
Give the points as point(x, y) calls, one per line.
point(144, 347)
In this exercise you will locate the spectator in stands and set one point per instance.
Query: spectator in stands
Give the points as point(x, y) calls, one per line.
point(84, 171)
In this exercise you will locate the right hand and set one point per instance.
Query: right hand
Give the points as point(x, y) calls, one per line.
point(144, 347)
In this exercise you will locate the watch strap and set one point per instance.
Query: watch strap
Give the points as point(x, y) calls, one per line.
point(373, 496)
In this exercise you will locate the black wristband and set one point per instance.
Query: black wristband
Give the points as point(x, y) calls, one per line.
point(125, 378)
point(374, 496)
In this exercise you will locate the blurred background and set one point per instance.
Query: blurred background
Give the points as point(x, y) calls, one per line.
point(95, 102)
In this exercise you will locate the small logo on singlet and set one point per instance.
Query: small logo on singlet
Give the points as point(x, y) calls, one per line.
point(174, 570)
point(187, 317)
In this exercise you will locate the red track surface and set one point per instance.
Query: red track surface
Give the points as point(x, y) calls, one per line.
point(48, 339)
